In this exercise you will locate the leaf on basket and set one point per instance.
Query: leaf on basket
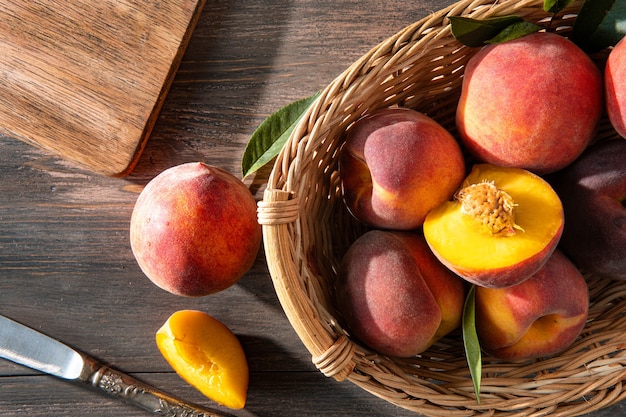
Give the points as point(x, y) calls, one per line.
point(600, 24)
point(476, 32)
point(555, 6)
point(514, 31)
point(470, 340)
point(269, 138)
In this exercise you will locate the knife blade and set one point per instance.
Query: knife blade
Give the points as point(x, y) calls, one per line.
point(28, 347)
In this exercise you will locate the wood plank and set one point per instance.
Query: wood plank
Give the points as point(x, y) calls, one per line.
point(85, 80)
point(65, 262)
point(275, 394)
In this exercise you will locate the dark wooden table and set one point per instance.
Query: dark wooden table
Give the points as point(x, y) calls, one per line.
point(66, 267)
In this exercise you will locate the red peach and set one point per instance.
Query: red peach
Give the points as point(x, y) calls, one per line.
point(193, 230)
point(615, 87)
point(394, 294)
point(396, 165)
point(531, 103)
point(540, 317)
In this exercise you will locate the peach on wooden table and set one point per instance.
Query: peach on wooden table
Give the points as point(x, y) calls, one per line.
point(194, 230)
point(206, 354)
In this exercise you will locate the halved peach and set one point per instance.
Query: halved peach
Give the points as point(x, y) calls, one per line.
point(500, 229)
point(206, 354)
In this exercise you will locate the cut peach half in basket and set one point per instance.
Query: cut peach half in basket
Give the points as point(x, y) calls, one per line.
point(206, 354)
point(501, 227)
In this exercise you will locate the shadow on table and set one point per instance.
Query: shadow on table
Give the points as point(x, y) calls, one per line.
point(212, 106)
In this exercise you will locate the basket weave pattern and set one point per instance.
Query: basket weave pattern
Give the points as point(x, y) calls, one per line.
point(307, 230)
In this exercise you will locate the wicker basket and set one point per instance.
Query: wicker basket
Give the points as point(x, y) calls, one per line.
point(307, 230)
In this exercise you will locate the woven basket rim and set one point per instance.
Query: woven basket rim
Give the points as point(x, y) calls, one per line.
point(418, 67)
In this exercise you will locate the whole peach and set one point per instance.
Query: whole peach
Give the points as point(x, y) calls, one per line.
point(395, 296)
point(193, 230)
point(593, 192)
point(540, 317)
point(615, 87)
point(532, 103)
point(396, 165)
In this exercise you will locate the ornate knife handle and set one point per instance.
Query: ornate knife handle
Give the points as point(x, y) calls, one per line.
point(143, 395)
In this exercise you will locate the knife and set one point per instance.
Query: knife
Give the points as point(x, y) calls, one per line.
point(28, 347)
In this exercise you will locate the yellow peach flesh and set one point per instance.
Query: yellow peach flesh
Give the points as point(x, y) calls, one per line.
point(461, 242)
point(206, 354)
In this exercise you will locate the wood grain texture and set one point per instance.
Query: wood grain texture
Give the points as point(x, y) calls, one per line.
point(86, 80)
point(65, 262)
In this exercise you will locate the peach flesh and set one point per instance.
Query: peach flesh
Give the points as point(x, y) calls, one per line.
point(492, 260)
point(206, 354)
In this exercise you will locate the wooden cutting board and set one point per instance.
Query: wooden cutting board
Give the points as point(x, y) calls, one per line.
point(85, 79)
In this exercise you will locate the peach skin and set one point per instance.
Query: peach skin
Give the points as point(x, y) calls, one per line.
point(593, 192)
point(396, 165)
point(615, 87)
point(540, 317)
point(531, 103)
point(194, 230)
point(394, 294)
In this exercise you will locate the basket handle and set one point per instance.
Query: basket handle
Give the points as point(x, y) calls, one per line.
point(277, 207)
point(337, 361)
point(331, 354)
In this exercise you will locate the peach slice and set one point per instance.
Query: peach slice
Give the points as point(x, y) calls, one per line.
point(500, 229)
point(206, 354)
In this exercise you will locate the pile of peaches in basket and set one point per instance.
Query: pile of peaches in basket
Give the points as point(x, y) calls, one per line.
point(528, 113)
point(512, 212)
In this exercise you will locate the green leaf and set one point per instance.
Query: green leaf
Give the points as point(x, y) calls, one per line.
point(600, 24)
point(555, 6)
point(470, 340)
point(514, 31)
point(270, 136)
point(475, 32)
